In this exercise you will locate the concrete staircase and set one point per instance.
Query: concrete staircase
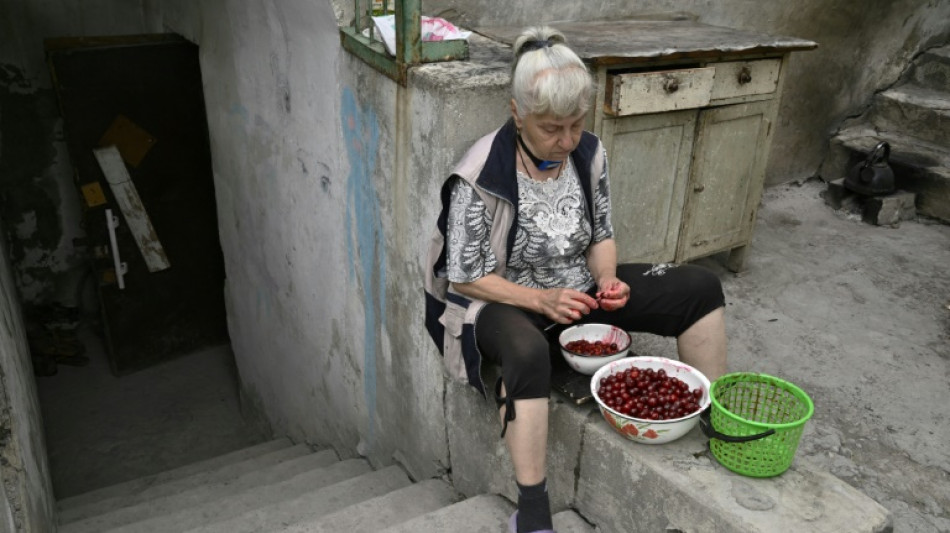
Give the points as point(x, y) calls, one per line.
point(914, 118)
point(281, 486)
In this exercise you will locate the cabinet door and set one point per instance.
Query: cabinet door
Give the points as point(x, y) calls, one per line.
point(726, 179)
point(649, 157)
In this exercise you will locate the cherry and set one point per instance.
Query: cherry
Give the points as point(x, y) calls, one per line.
point(596, 348)
point(649, 394)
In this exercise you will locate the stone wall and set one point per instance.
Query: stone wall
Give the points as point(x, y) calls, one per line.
point(26, 491)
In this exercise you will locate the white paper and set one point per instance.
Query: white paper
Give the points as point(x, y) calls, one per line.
point(433, 29)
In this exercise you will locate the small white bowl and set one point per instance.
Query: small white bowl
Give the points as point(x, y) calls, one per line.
point(588, 364)
point(652, 431)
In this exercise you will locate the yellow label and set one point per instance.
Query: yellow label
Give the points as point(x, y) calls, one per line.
point(132, 142)
point(92, 192)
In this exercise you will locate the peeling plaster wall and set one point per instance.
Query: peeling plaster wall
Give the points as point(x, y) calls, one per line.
point(26, 491)
point(862, 49)
point(323, 302)
point(296, 317)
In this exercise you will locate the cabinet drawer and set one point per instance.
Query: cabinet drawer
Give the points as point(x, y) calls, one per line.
point(658, 91)
point(744, 78)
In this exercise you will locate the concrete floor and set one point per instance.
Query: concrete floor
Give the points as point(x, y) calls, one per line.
point(857, 315)
point(101, 429)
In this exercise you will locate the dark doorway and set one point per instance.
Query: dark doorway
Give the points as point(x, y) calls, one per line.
point(140, 100)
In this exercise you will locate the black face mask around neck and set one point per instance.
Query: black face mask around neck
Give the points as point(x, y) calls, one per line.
point(541, 164)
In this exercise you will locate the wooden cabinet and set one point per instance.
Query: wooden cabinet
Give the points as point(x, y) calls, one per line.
point(687, 112)
point(687, 152)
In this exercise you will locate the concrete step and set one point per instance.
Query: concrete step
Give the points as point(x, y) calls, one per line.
point(913, 110)
point(932, 69)
point(680, 486)
point(486, 513)
point(359, 500)
point(137, 485)
point(482, 513)
point(919, 167)
point(216, 475)
point(571, 522)
point(372, 515)
point(620, 486)
point(201, 507)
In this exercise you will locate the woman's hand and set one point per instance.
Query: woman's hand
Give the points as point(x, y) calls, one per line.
point(564, 306)
point(612, 294)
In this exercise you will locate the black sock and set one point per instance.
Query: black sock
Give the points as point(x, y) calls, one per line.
point(534, 509)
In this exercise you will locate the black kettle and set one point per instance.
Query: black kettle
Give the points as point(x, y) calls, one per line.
point(872, 176)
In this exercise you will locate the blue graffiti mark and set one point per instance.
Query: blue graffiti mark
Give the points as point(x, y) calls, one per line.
point(364, 224)
point(239, 110)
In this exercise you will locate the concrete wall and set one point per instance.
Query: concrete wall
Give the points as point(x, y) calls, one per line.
point(26, 491)
point(303, 151)
point(326, 175)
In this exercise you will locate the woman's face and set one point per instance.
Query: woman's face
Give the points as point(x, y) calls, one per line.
point(549, 137)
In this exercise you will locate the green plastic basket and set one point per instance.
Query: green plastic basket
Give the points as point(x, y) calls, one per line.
point(756, 422)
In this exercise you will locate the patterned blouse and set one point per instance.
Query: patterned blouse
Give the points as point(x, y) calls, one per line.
point(553, 232)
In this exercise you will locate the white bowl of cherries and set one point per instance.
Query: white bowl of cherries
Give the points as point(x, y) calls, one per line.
point(588, 347)
point(652, 400)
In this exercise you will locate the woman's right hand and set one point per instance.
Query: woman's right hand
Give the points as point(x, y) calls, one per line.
point(564, 306)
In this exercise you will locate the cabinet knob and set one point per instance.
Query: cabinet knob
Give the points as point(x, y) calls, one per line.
point(671, 85)
point(745, 76)
point(699, 188)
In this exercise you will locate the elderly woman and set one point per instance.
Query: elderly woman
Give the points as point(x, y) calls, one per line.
point(524, 241)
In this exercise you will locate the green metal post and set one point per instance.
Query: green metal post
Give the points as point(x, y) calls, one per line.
point(408, 32)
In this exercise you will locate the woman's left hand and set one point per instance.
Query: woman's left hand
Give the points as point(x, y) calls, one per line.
point(612, 294)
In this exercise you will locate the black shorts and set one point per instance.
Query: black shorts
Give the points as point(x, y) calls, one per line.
point(665, 299)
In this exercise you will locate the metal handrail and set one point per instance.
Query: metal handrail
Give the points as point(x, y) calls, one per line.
point(410, 49)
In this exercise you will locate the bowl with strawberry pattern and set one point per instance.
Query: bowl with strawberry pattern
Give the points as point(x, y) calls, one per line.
point(651, 400)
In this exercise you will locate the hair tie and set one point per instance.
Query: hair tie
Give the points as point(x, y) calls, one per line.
point(536, 45)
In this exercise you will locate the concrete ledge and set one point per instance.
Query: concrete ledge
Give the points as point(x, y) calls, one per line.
point(679, 486)
point(620, 485)
point(479, 458)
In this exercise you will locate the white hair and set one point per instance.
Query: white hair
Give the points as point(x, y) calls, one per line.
point(547, 77)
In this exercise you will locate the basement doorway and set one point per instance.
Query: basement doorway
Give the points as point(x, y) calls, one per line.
point(160, 388)
point(135, 126)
